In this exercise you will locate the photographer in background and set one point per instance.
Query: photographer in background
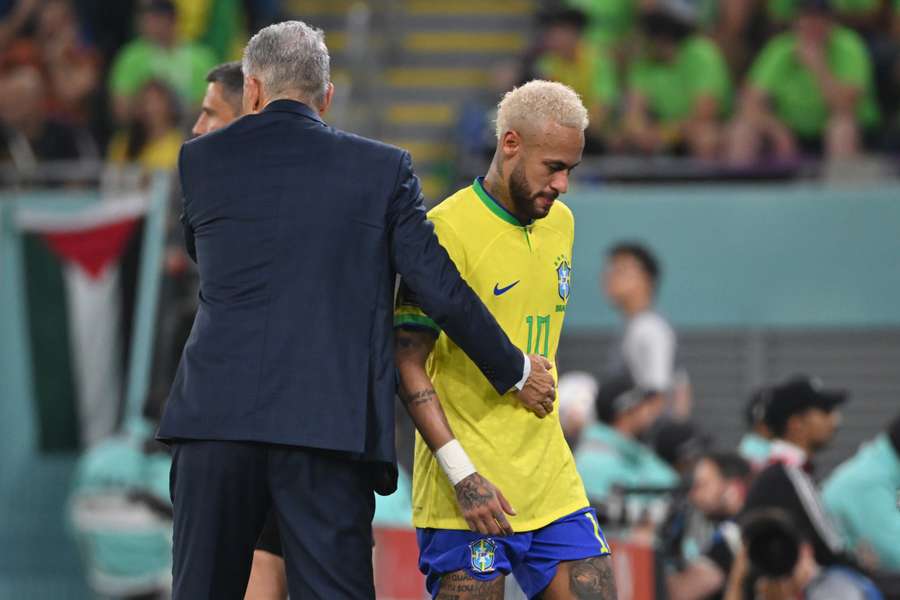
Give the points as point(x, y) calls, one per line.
point(785, 561)
point(718, 488)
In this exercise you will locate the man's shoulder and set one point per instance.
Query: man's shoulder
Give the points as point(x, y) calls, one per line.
point(351, 147)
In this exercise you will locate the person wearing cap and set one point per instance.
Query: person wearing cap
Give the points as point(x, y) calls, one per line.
point(756, 444)
point(157, 54)
point(610, 453)
point(870, 521)
point(811, 89)
point(803, 417)
point(678, 89)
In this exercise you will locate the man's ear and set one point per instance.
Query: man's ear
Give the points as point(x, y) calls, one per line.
point(510, 143)
point(252, 98)
point(325, 104)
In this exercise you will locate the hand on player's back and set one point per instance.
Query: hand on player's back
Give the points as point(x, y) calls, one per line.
point(539, 391)
point(483, 506)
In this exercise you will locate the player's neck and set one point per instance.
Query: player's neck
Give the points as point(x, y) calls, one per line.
point(494, 185)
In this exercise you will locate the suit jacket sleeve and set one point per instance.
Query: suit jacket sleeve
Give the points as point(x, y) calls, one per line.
point(189, 244)
point(441, 291)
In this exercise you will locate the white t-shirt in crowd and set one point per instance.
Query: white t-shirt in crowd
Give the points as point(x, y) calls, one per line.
point(648, 348)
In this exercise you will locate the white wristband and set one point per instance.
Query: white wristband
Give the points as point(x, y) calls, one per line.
point(454, 461)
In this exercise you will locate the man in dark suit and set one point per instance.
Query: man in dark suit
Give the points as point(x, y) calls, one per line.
point(284, 395)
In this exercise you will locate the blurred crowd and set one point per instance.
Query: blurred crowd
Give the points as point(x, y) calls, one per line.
point(740, 82)
point(116, 81)
point(755, 521)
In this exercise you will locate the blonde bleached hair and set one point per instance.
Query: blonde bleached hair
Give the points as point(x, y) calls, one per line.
point(537, 102)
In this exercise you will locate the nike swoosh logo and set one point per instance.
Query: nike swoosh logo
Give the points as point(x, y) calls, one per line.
point(499, 291)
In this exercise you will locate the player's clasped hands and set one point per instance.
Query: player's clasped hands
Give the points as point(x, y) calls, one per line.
point(539, 391)
point(483, 506)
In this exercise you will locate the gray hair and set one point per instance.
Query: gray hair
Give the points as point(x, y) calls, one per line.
point(289, 57)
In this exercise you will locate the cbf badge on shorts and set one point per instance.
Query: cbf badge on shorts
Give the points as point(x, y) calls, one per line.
point(482, 553)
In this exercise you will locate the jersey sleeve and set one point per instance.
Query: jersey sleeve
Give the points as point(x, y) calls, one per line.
point(408, 313)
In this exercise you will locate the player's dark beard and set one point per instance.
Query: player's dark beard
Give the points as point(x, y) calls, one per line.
point(521, 196)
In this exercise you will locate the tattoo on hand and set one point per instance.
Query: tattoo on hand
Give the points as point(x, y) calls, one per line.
point(592, 579)
point(473, 491)
point(421, 397)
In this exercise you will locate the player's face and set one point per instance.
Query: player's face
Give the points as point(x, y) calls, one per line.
point(708, 488)
point(215, 112)
point(545, 159)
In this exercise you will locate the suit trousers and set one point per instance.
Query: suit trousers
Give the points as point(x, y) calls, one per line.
point(222, 491)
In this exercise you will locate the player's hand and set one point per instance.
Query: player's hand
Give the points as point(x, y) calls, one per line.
point(539, 391)
point(483, 506)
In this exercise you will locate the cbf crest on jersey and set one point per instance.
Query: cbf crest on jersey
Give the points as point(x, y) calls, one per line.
point(483, 555)
point(563, 277)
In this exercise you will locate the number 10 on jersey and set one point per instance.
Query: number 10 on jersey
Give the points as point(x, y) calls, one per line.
point(538, 334)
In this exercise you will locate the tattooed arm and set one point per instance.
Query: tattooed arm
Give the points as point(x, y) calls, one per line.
point(481, 504)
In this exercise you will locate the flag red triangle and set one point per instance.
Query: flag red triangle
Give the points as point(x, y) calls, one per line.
point(94, 248)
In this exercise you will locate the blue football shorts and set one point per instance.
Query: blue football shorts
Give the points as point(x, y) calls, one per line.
point(532, 556)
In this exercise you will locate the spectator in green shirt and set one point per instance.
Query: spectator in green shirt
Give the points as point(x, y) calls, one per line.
point(564, 55)
point(157, 54)
point(610, 21)
point(863, 14)
point(811, 88)
point(678, 88)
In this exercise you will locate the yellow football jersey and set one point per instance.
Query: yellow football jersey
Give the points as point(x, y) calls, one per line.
point(523, 275)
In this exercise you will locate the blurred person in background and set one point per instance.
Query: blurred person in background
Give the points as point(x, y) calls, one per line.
point(811, 90)
point(863, 496)
point(803, 417)
point(678, 88)
point(630, 281)
point(610, 453)
point(152, 138)
point(215, 24)
point(30, 136)
point(680, 444)
point(718, 488)
point(577, 399)
point(72, 66)
point(784, 561)
point(610, 23)
point(157, 54)
point(756, 444)
point(563, 54)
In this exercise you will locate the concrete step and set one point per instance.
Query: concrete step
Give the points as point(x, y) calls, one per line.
point(440, 114)
point(463, 42)
point(424, 151)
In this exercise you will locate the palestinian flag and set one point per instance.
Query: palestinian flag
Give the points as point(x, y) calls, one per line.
point(80, 272)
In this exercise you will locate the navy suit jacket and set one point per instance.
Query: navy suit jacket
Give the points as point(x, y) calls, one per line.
point(298, 231)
